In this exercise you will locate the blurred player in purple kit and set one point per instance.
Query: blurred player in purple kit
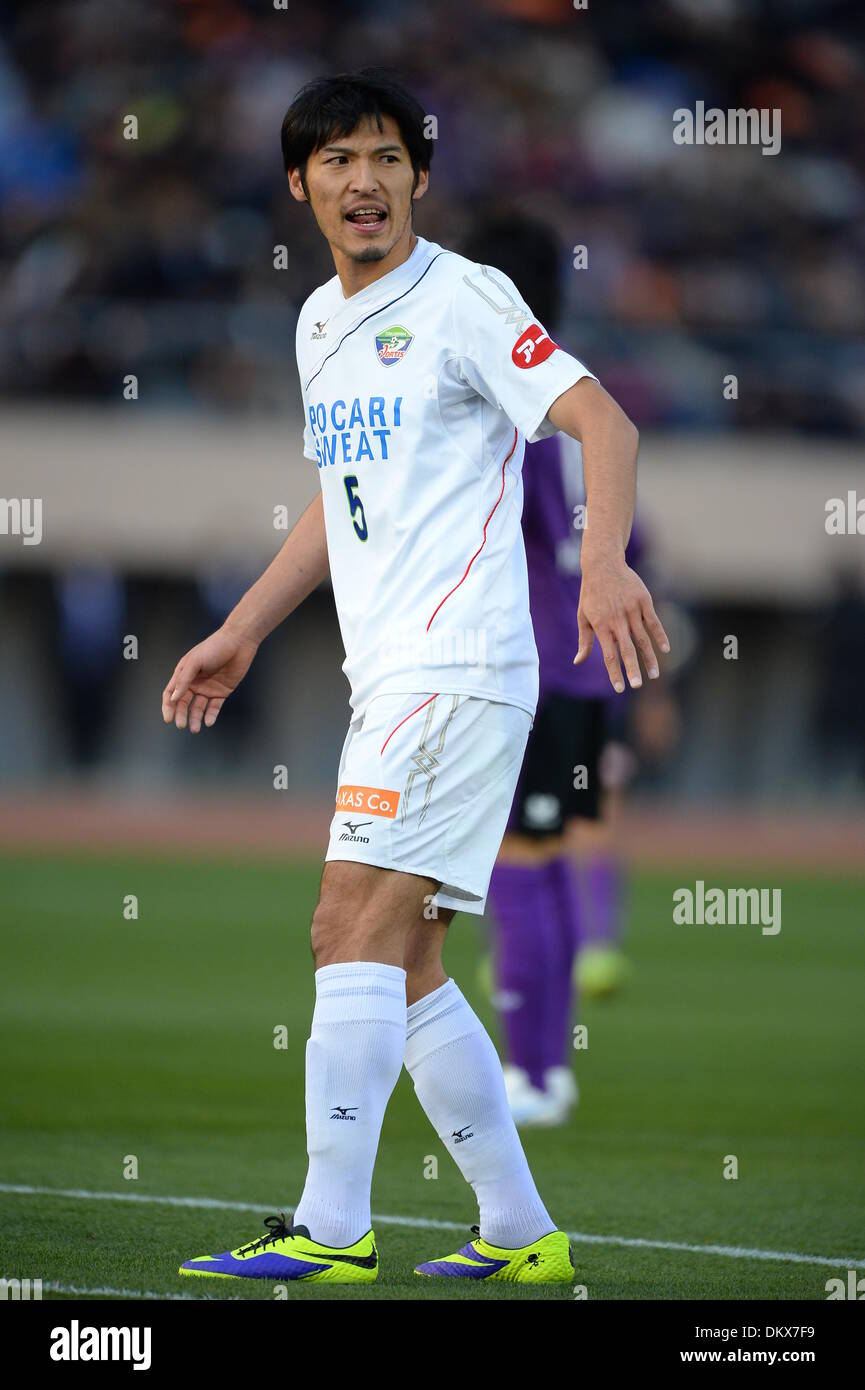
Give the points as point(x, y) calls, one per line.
point(556, 890)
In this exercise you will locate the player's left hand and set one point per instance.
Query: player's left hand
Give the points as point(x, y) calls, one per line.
point(616, 607)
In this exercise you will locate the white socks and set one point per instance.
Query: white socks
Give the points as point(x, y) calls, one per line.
point(458, 1079)
point(353, 1058)
point(361, 1033)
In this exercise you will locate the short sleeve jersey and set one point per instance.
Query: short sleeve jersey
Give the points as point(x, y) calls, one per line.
point(419, 393)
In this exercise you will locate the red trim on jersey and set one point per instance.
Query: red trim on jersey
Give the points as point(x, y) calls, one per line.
point(402, 721)
point(484, 541)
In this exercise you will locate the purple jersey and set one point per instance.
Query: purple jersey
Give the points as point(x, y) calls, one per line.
point(553, 486)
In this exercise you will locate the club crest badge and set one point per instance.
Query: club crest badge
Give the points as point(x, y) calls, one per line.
point(393, 344)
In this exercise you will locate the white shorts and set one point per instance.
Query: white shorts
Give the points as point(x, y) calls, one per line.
point(425, 785)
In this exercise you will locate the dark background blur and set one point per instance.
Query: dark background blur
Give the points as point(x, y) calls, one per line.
point(155, 257)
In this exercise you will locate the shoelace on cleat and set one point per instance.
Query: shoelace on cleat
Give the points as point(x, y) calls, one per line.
point(278, 1229)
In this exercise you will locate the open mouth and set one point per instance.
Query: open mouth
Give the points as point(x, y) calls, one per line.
point(366, 219)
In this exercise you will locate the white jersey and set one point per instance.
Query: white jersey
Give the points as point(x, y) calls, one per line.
point(419, 393)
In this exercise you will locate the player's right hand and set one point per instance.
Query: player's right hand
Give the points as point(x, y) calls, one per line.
point(204, 678)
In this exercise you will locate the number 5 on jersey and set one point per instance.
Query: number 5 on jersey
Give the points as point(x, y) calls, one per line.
point(355, 505)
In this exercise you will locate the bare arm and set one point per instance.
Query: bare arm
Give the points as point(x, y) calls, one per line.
point(291, 576)
point(615, 605)
point(205, 677)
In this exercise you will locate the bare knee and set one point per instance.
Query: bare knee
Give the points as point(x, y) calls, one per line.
point(423, 946)
point(344, 930)
point(364, 913)
point(326, 933)
point(424, 971)
point(585, 837)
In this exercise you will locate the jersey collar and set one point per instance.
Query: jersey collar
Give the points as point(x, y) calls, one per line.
point(388, 285)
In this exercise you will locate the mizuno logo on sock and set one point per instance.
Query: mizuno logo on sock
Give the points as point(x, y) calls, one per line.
point(459, 1136)
point(341, 1112)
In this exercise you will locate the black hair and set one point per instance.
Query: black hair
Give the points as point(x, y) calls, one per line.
point(528, 251)
point(329, 107)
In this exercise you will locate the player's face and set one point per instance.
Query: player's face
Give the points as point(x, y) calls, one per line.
point(360, 189)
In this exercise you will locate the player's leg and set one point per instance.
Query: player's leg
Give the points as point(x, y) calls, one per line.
point(533, 975)
point(592, 876)
point(424, 970)
point(458, 1080)
point(591, 844)
point(425, 788)
point(579, 874)
point(592, 873)
point(534, 941)
point(467, 792)
point(357, 1042)
point(353, 1058)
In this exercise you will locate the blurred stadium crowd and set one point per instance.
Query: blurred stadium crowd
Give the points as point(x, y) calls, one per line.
point(159, 251)
point(155, 256)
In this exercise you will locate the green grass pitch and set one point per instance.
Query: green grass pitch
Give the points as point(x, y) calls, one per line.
point(155, 1038)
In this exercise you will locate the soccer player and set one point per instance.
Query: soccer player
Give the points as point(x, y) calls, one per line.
point(546, 905)
point(422, 376)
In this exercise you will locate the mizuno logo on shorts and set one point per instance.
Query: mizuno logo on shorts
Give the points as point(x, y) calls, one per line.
point(375, 801)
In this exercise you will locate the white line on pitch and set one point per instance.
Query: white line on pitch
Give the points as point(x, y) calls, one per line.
point(735, 1252)
point(81, 1291)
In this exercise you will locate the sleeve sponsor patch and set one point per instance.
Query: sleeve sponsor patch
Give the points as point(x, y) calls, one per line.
point(532, 346)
